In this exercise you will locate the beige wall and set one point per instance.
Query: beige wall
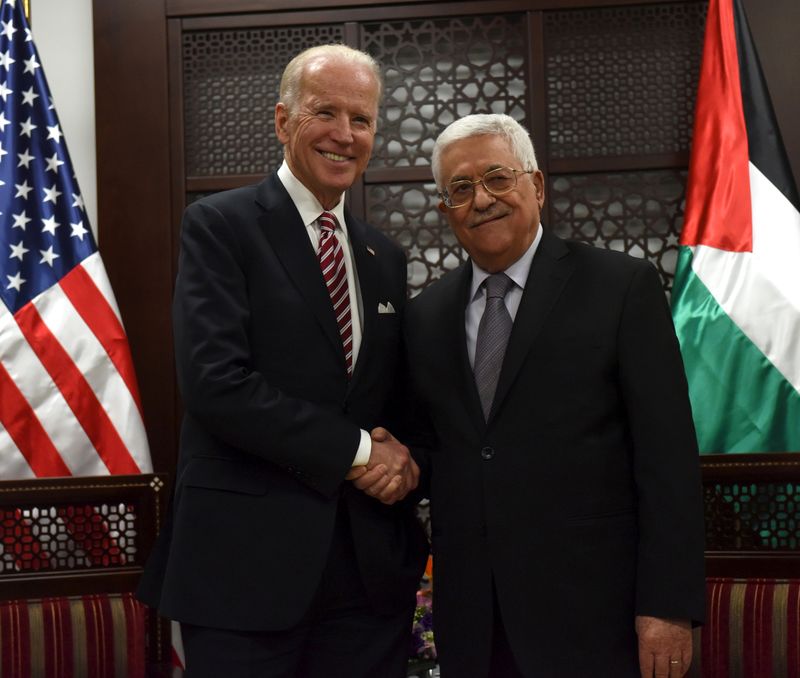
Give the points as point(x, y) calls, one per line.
point(62, 30)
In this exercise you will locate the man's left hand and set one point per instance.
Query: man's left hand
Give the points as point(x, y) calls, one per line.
point(665, 647)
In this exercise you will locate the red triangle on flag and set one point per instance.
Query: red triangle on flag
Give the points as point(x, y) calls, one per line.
point(718, 208)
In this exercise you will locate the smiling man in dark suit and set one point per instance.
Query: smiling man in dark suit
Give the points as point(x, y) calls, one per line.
point(287, 319)
point(565, 492)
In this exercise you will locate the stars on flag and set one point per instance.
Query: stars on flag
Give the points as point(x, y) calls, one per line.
point(50, 225)
point(31, 64)
point(54, 133)
point(78, 231)
point(25, 159)
point(15, 282)
point(23, 189)
point(18, 251)
point(20, 220)
point(51, 194)
point(48, 256)
point(28, 96)
point(27, 127)
point(53, 163)
point(8, 29)
point(38, 189)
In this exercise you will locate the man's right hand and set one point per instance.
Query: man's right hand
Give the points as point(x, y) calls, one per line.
point(391, 472)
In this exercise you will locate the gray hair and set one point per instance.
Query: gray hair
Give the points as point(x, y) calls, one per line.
point(291, 84)
point(479, 124)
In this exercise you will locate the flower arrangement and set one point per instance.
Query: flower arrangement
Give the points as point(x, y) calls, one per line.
point(422, 631)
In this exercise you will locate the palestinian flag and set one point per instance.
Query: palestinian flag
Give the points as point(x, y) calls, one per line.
point(736, 297)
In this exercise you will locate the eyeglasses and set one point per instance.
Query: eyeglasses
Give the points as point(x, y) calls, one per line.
point(497, 182)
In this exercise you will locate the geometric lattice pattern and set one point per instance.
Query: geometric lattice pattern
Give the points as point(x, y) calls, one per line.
point(622, 80)
point(408, 213)
point(640, 213)
point(759, 516)
point(231, 80)
point(67, 537)
point(439, 70)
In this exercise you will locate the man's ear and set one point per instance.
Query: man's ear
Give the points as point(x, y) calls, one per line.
point(281, 122)
point(442, 207)
point(538, 184)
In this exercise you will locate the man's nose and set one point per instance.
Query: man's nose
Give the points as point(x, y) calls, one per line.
point(483, 198)
point(342, 131)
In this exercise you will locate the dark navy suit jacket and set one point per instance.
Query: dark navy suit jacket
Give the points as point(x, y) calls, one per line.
point(579, 500)
point(271, 421)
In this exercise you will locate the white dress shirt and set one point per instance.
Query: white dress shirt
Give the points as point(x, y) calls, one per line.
point(310, 210)
point(518, 272)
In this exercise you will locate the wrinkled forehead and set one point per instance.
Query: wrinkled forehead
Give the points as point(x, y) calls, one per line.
point(339, 73)
point(470, 157)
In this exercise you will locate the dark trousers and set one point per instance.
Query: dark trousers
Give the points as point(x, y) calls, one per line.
point(503, 664)
point(339, 637)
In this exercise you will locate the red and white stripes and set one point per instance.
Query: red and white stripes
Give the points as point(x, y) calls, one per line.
point(70, 404)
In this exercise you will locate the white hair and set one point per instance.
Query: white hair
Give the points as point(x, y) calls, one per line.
point(480, 124)
point(291, 80)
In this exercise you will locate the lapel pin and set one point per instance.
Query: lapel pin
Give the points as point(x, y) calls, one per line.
point(370, 250)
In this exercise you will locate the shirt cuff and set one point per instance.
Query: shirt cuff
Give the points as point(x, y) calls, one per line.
point(364, 450)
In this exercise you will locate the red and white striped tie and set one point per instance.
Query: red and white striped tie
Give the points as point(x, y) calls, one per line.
point(331, 261)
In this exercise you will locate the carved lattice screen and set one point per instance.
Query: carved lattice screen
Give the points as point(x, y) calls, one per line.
point(438, 70)
point(636, 212)
point(621, 81)
point(616, 97)
point(230, 85)
point(620, 85)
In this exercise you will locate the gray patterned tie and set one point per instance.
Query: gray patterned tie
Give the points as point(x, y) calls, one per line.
point(493, 332)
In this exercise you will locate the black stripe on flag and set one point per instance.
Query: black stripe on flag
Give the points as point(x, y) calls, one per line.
point(763, 136)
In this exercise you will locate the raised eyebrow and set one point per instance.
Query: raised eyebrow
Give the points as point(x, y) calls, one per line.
point(464, 177)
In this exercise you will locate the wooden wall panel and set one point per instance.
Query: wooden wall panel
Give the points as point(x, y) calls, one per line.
point(139, 117)
point(774, 26)
point(133, 186)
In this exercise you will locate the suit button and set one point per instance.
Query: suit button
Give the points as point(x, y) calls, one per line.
point(487, 453)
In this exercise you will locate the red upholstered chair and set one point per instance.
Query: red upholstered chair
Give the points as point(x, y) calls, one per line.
point(93, 635)
point(71, 552)
point(752, 511)
point(753, 629)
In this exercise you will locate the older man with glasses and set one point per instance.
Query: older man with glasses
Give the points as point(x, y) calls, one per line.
point(566, 505)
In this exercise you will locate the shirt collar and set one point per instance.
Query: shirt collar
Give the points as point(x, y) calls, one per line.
point(304, 200)
point(518, 271)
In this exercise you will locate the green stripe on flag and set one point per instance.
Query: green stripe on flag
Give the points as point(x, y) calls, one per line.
point(740, 402)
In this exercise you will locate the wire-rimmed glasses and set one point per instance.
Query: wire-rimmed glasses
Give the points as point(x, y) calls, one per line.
point(496, 181)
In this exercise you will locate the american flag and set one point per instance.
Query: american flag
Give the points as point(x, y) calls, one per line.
point(69, 403)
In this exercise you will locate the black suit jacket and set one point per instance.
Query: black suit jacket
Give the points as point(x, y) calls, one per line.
point(271, 421)
point(580, 498)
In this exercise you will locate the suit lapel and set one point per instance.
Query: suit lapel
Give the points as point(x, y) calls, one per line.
point(550, 270)
point(287, 235)
point(367, 265)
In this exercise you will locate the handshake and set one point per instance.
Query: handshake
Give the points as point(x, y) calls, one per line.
point(391, 472)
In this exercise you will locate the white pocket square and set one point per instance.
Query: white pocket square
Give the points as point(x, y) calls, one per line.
point(385, 308)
